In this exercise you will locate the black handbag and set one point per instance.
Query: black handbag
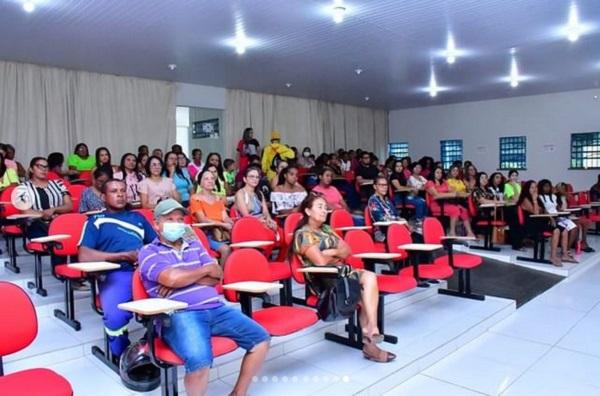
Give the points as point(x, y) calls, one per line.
point(338, 302)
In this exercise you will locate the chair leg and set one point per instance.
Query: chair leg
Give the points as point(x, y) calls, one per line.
point(38, 282)
point(354, 337)
point(106, 356)
point(11, 264)
point(464, 290)
point(381, 321)
point(69, 315)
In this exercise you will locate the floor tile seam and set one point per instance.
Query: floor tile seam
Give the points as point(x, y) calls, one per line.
point(452, 383)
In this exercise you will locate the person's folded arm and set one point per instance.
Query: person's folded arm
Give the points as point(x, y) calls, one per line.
point(87, 254)
point(175, 278)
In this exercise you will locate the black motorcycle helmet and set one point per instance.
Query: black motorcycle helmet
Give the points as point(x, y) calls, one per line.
point(136, 369)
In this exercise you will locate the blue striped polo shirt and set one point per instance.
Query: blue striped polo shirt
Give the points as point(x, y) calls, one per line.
point(157, 257)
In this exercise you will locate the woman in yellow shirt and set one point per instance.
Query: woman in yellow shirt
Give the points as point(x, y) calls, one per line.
point(8, 176)
point(455, 183)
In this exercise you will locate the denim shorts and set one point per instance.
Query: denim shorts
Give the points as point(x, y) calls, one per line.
point(189, 333)
point(214, 244)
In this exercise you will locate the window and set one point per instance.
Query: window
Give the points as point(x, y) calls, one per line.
point(450, 151)
point(513, 152)
point(585, 150)
point(398, 150)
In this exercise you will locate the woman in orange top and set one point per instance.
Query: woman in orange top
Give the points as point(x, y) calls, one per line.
point(207, 207)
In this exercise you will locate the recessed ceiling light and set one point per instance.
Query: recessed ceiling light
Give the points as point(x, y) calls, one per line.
point(573, 27)
point(450, 50)
point(433, 87)
point(288, 85)
point(172, 66)
point(367, 98)
point(29, 6)
point(514, 71)
point(339, 11)
point(596, 97)
point(358, 71)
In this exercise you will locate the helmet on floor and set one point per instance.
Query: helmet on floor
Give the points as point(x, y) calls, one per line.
point(136, 369)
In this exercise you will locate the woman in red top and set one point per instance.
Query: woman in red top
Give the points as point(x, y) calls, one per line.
point(246, 147)
point(437, 188)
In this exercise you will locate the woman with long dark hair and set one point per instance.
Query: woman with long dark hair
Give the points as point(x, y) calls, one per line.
point(179, 176)
point(316, 244)
point(249, 201)
point(246, 147)
point(8, 176)
point(128, 172)
point(156, 187)
point(288, 194)
point(214, 159)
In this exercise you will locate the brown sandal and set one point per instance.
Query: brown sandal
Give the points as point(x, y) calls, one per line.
point(377, 355)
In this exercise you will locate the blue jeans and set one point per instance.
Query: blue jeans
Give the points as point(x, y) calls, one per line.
point(115, 289)
point(418, 202)
point(190, 331)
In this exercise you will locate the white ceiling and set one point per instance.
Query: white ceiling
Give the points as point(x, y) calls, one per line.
point(395, 42)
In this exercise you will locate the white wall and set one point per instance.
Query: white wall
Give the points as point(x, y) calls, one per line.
point(194, 95)
point(547, 121)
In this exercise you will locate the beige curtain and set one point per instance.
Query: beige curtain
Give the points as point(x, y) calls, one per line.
point(323, 126)
point(45, 109)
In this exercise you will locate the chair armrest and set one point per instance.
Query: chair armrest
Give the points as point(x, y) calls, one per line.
point(252, 287)
point(153, 306)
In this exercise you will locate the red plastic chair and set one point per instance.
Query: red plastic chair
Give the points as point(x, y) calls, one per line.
point(10, 231)
point(86, 177)
point(539, 241)
point(289, 226)
point(433, 232)
point(147, 213)
point(76, 190)
point(484, 222)
point(18, 329)
point(340, 218)
point(398, 234)
point(277, 320)
point(251, 229)
point(162, 355)
point(71, 224)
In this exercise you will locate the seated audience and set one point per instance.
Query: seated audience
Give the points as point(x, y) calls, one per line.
point(305, 160)
point(381, 208)
point(316, 244)
point(366, 173)
point(251, 202)
point(128, 172)
point(248, 146)
point(8, 176)
point(455, 182)
point(229, 173)
point(81, 160)
point(288, 193)
point(104, 158)
point(157, 153)
point(512, 191)
point(328, 191)
point(275, 180)
point(91, 198)
point(595, 191)
point(512, 188)
point(9, 155)
point(156, 187)
point(207, 207)
point(481, 193)
point(535, 227)
point(439, 191)
point(496, 186)
point(196, 164)
point(55, 167)
point(403, 194)
point(470, 178)
point(550, 204)
point(416, 181)
point(179, 175)
point(214, 160)
point(115, 235)
point(142, 160)
point(582, 222)
point(143, 150)
point(181, 270)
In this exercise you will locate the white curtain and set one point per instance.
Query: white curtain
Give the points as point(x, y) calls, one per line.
point(44, 109)
point(323, 126)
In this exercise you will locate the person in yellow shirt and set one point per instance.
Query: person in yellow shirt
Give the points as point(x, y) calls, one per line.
point(8, 176)
point(273, 154)
point(454, 181)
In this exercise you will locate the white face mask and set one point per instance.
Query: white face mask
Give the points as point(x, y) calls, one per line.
point(173, 231)
point(306, 154)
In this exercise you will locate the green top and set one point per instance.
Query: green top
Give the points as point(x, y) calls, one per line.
point(511, 191)
point(81, 164)
point(229, 177)
point(9, 177)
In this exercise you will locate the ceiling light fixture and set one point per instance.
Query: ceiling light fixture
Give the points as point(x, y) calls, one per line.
point(573, 27)
point(514, 70)
point(433, 87)
point(339, 11)
point(450, 50)
point(172, 66)
point(367, 98)
point(358, 71)
point(29, 6)
point(288, 85)
point(241, 42)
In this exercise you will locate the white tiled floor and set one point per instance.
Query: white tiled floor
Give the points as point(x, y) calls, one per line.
point(551, 346)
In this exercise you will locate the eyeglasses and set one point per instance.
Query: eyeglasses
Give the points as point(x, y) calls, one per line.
point(381, 185)
point(40, 166)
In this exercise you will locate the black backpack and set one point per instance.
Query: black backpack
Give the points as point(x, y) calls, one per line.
point(339, 301)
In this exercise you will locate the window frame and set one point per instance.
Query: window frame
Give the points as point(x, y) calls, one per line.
point(390, 149)
point(511, 144)
point(578, 140)
point(456, 143)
